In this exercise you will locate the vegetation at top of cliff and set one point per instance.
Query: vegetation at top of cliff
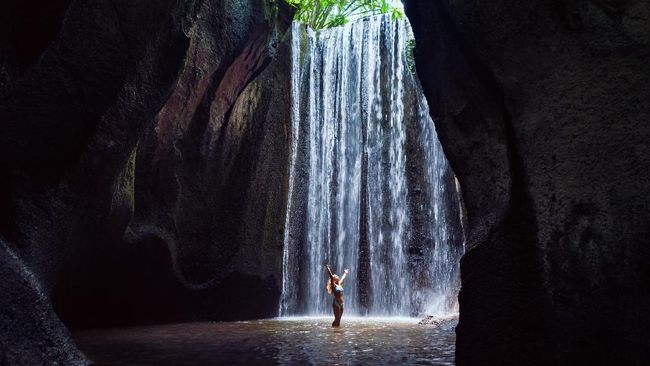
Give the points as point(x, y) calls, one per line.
point(320, 14)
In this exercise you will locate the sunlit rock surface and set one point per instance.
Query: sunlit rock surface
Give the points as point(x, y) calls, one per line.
point(540, 108)
point(97, 114)
point(203, 202)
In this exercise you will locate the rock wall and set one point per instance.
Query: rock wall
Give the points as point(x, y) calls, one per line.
point(540, 107)
point(143, 151)
point(204, 200)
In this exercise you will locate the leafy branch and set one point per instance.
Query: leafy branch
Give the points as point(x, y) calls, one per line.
point(320, 14)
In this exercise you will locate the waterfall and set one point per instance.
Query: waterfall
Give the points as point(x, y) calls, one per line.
point(369, 185)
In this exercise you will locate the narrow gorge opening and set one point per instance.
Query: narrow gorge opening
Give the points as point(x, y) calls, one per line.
point(370, 188)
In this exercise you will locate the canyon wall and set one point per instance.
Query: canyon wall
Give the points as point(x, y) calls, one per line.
point(144, 149)
point(541, 108)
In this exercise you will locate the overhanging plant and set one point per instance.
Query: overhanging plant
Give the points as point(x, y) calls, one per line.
point(320, 14)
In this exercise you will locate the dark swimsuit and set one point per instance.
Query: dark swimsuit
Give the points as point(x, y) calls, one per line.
point(338, 289)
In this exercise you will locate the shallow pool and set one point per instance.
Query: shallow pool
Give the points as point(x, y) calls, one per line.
point(282, 341)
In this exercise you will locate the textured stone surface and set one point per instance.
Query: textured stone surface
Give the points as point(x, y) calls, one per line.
point(69, 119)
point(541, 110)
point(143, 148)
point(107, 92)
point(204, 209)
point(32, 336)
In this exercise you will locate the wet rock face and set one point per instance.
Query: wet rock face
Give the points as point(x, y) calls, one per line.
point(31, 334)
point(202, 193)
point(144, 168)
point(540, 110)
point(69, 120)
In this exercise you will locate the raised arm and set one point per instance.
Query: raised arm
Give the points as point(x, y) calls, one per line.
point(329, 271)
point(345, 274)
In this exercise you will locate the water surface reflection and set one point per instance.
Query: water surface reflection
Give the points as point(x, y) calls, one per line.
point(283, 341)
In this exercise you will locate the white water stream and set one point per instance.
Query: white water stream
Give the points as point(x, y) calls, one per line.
point(353, 95)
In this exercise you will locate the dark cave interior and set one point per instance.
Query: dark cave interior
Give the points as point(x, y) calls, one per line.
point(145, 149)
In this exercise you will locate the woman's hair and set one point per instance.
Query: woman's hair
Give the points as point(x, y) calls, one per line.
point(330, 286)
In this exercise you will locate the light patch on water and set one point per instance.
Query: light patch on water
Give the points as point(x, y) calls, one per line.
point(291, 341)
point(352, 319)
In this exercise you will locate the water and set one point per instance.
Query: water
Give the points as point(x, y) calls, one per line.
point(292, 341)
point(354, 178)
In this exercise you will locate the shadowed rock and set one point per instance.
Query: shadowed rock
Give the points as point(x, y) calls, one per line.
point(538, 107)
point(80, 114)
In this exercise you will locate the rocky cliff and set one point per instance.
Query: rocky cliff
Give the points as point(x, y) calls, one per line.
point(143, 156)
point(144, 148)
point(540, 107)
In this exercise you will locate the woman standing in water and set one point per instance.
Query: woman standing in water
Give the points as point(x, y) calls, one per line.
point(335, 285)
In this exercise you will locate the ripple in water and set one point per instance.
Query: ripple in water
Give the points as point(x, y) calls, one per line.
point(282, 341)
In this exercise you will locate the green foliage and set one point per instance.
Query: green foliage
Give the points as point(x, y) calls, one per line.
point(124, 186)
point(410, 55)
point(320, 14)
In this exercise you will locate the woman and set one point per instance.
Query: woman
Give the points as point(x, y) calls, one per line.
point(335, 284)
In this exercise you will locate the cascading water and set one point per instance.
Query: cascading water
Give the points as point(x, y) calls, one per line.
point(353, 199)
